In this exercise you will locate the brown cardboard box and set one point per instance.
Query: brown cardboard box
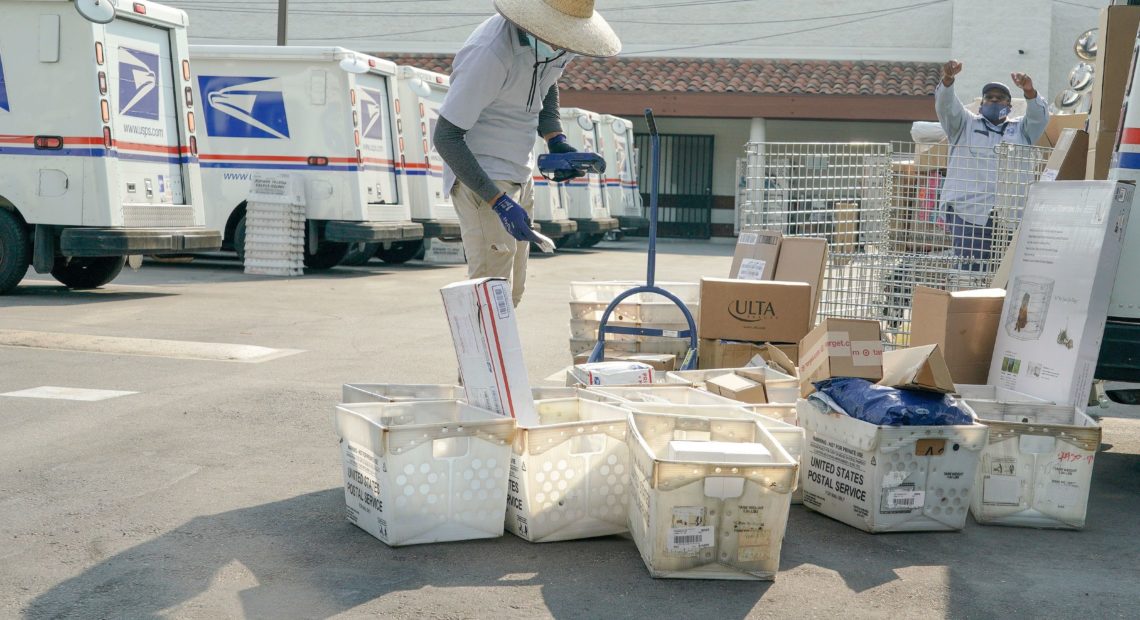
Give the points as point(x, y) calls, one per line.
point(1101, 146)
point(754, 311)
point(931, 155)
point(1115, 39)
point(1059, 123)
point(728, 354)
point(844, 239)
point(841, 348)
point(917, 368)
point(1067, 162)
point(756, 255)
point(661, 362)
point(803, 259)
point(737, 387)
point(964, 325)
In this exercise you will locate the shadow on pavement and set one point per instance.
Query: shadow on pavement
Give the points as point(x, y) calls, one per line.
point(32, 293)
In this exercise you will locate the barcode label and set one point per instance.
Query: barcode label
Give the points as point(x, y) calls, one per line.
point(748, 238)
point(690, 539)
point(502, 302)
point(898, 498)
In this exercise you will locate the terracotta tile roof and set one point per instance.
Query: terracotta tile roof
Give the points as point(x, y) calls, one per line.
point(730, 75)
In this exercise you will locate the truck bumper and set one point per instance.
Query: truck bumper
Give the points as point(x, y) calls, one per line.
point(632, 222)
point(127, 241)
point(557, 228)
point(440, 229)
point(1120, 352)
point(597, 225)
point(372, 232)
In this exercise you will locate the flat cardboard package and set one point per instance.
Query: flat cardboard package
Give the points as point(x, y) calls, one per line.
point(487, 345)
point(1068, 159)
point(756, 255)
point(754, 311)
point(1062, 275)
point(841, 348)
point(731, 354)
point(803, 259)
point(917, 368)
point(963, 324)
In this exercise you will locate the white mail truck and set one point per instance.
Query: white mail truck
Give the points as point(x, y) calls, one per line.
point(325, 114)
point(550, 202)
point(622, 194)
point(97, 142)
point(586, 196)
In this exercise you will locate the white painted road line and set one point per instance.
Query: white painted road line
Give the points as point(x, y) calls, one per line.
point(178, 349)
point(66, 393)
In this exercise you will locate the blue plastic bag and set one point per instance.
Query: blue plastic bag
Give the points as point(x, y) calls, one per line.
point(887, 406)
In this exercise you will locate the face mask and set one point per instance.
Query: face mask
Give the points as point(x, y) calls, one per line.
point(541, 47)
point(994, 111)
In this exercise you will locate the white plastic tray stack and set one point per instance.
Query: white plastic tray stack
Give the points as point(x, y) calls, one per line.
point(588, 302)
point(275, 226)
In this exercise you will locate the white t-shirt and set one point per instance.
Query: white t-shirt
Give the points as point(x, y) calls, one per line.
point(490, 89)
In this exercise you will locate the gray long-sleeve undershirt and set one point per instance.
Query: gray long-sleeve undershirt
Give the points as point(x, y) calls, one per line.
point(452, 147)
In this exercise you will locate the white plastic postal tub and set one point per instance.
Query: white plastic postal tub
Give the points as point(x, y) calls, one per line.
point(778, 419)
point(1036, 470)
point(714, 516)
point(568, 475)
point(888, 478)
point(394, 392)
point(676, 394)
point(424, 472)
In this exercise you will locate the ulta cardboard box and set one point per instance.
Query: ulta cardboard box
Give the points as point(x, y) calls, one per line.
point(756, 255)
point(841, 348)
point(1067, 161)
point(917, 368)
point(487, 345)
point(963, 324)
point(754, 310)
point(715, 353)
point(803, 259)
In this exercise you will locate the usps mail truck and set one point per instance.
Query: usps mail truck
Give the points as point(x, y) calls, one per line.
point(622, 194)
point(586, 196)
point(326, 114)
point(550, 202)
point(97, 140)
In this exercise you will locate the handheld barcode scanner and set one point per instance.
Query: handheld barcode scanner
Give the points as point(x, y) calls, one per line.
point(559, 167)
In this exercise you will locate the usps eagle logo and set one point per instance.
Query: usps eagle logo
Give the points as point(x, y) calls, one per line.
point(243, 107)
point(138, 83)
point(372, 113)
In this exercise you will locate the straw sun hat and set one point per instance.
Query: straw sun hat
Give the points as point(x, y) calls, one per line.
point(572, 25)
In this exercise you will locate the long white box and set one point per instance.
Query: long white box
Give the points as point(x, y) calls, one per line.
point(708, 519)
point(569, 474)
point(1036, 470)
point(424, 472)
point(486, 338)
point(888, 479)
point(1061, 279)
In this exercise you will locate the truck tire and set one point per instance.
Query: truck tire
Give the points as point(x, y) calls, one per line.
point(589, 240)
point(358, 255)
point(84, 272)
point(239, 239)
point(568, 242)
point(400, 251)
point(15, 251)
point(328, 255)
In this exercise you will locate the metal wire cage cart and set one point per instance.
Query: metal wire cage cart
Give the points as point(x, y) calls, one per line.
point(895, 215)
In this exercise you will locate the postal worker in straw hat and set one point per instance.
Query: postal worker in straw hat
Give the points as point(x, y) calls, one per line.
point(504, 89)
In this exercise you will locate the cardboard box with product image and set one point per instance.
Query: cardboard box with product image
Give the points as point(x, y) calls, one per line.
point(754, 311)
point(963, 324)
point(841, 348)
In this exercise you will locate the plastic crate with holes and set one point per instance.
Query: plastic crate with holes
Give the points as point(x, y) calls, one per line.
point(710, 497)
point(568, 475)
point(888, 478)
point(424, 472)
point(588, 302)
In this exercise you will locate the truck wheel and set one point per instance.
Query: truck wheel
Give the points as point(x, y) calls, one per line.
point(84, 272)
point(359, 254)
point(239, 239)
point(328, 255)
point(15, 251)
point(569, 241)
point(400, 251)
point(590, 240)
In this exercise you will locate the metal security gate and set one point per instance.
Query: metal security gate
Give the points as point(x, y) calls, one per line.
point(685, 198)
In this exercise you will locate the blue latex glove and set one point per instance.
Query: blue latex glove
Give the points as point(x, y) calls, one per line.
point(559, 144)
point(517, 223)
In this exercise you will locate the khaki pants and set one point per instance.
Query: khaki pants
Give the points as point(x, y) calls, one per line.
point(491, 250)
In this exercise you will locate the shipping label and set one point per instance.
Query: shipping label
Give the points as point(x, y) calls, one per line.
point(999, 490)
point(904, 498)
point(689, 541)
point(748, 238)
point(752, 269)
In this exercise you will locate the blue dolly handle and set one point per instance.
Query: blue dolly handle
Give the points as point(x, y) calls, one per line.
point(599, 352)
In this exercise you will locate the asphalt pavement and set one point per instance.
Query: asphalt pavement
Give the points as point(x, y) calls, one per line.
point(167, 450)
